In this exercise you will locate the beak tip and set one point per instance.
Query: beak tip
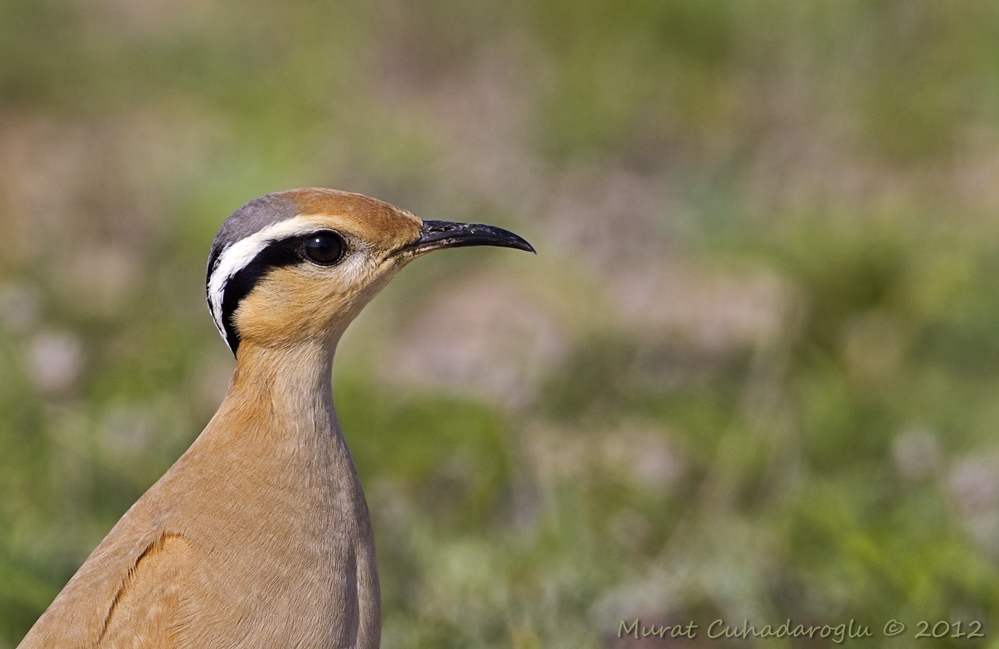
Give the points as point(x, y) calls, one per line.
point(515, 241)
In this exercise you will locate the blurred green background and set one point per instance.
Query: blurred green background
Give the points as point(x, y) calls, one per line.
point(753, 372)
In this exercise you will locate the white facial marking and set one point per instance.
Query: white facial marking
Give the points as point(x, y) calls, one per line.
point(236, 256)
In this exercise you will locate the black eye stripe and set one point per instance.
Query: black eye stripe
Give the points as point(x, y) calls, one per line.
point(277, 254)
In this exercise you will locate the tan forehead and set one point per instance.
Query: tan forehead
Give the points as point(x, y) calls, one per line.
point(370, 219)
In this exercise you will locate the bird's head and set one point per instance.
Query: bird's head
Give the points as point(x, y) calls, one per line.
point(298, 265)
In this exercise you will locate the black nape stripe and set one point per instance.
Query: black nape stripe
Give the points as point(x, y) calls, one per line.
point(276, 255)
point(213, 258)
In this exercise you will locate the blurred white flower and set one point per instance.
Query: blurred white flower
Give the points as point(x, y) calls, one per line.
point(55, 360)
point(974, 487)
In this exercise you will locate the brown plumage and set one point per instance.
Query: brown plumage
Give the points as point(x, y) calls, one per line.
point(259, 535)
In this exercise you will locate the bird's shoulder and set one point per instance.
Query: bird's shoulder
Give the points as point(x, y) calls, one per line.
point(126, 584)
point(146, 610)
point(112, 582)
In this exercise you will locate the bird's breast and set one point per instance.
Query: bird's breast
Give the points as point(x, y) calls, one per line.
point(279, 552)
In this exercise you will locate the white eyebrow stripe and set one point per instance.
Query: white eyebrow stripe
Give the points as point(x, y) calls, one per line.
point(235, 257)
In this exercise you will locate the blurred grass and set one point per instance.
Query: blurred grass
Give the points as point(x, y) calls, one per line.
point(751, 374)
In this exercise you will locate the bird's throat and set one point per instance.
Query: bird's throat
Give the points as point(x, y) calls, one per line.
point(289, 385)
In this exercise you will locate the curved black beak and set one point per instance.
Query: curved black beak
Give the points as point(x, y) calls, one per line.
point(447, 234)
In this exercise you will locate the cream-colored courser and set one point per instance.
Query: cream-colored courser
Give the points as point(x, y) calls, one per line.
point(259, 535)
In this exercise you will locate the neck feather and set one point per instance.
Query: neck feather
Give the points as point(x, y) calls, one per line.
point(285, 388)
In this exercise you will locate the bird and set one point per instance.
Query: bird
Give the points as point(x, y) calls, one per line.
point(259, 534)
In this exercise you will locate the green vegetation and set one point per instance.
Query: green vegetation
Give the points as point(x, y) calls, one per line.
point(753, 372)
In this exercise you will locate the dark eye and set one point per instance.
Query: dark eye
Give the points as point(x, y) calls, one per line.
point(324, 248)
